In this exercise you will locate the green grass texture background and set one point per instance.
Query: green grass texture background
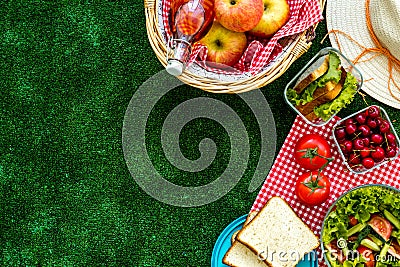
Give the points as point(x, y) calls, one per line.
point(68, 71)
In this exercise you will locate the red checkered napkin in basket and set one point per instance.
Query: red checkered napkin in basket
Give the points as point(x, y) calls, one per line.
point(282, 176)
point(303, 15)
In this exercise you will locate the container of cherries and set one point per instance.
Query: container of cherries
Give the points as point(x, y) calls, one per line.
point(366, 139)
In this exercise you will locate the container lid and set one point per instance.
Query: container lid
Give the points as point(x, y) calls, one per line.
point(174, 67)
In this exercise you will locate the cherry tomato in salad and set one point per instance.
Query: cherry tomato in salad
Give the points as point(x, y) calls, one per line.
point(352, 220)
point(380, 225)
point(312, 188)
point(312, 152)
point(368, 255)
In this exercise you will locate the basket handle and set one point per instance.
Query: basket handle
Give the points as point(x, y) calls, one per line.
point(301, 47)
point(149, 3)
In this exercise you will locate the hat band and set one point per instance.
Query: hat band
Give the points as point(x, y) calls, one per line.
point(393, 62)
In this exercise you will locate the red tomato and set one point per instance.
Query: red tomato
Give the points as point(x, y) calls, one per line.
point(352, 220)
point(312, 152)
point(381, 226)
point(368, 255)
point(312, 188)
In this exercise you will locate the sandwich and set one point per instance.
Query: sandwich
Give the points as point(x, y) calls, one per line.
point(324, 89)
point(275, 237)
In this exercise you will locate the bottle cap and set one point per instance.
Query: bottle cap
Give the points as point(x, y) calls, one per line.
point(174, 67)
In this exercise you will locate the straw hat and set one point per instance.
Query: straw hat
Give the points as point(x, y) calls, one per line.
point(347, 24)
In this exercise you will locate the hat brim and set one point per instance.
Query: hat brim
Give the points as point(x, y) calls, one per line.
point(349, 17)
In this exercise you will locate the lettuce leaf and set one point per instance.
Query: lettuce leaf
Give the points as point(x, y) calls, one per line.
point(325, 111)
point(333, 73)
point(357, 262)
point(305, 97)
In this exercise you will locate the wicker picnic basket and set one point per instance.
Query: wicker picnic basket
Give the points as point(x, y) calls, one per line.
point(295, 48)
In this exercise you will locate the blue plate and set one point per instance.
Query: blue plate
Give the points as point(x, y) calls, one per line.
point(224, 242)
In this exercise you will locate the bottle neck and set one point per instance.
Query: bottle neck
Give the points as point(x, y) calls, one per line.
point(182, 50)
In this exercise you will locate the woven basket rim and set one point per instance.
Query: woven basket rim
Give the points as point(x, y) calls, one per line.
point(301, 45)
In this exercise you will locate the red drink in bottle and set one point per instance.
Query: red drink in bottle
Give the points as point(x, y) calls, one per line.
point(190, 20)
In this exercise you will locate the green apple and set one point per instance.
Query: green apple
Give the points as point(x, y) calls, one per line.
point(276, 14)
point(238, 15)
point(224, 46)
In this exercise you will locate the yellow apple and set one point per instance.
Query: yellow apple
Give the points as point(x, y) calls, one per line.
point(224, 46)
point(276, 14)
point(238, 15)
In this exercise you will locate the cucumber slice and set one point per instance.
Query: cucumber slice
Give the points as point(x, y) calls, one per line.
point(355, 229)
point(384, 251)
point(376, 240)
point(370, 244)
point(392, 219)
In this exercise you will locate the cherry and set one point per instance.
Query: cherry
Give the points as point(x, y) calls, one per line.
point(351, 129)
point(384, 127)
point(390, 138)
point(361, 118)
point(365, 152)
point(368, 162)
point(366, 141)
point(354, 159)
point(358, 144)
point(372, 123)
point(365, 130)
point(347, 146)
point(373, 112)
point(391, 151)
point(377, 139)
point(340, 133)
point(378, 154)
point(349, 121)
point(379, 121)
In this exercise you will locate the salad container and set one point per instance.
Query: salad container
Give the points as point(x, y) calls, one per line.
point(310, 67)
point(371, 193)
point(354, 160)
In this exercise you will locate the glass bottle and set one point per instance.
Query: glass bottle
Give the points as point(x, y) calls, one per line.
point(189, 23)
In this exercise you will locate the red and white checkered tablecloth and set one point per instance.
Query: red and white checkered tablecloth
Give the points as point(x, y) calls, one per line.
point(282, 177)
point(303, 15)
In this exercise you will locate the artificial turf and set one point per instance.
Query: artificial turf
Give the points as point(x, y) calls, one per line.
point(67, 198)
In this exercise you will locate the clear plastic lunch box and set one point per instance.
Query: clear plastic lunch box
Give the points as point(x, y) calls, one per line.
point(385, 116)
point(345, 63)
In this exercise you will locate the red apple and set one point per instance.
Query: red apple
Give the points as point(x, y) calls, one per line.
point(276, 14)
point(224, 46)
point(238, 15)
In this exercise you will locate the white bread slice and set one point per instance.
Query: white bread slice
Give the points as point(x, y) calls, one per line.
point(313, 73)
point(233, 237)
point(249, 217)
point(278, 235)
point(239, 255)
